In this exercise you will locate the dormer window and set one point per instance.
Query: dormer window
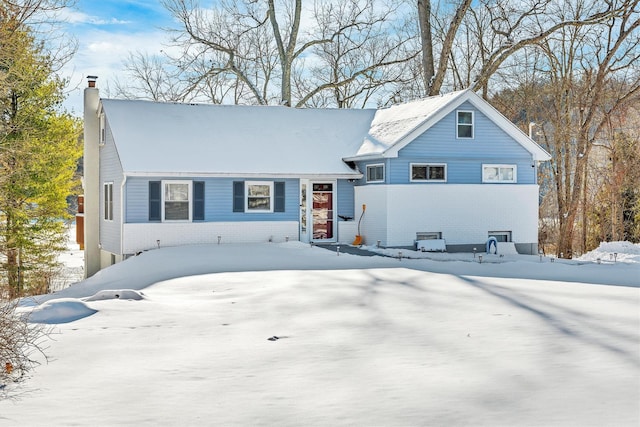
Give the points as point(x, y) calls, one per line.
point(464, 128)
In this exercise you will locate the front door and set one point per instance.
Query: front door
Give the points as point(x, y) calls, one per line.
point(322, 227)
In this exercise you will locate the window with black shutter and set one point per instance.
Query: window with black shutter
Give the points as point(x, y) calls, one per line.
point(155, 200)
point(198, 201)
point(278, 201)
point(238, 196)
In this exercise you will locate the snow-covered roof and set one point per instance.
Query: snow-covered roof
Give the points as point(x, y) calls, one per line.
point(391, 124)
point(396, 126)
point(171, 138)
point(233, 140)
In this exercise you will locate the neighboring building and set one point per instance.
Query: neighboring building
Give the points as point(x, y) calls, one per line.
point(163, 174)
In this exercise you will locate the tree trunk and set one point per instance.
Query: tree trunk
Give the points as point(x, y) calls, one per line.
point(424, 22)
point(447, 46)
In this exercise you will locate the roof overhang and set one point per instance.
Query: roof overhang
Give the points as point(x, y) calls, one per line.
point(536, 151)
point(249, 175)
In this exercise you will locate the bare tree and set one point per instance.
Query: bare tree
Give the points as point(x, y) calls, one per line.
point(362, 54)
point(484, 36)
point(588, 75)
point(336, 53)
point(434, 75)
point(20, 342)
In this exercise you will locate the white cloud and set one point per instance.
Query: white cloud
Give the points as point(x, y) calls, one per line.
point(76, 17)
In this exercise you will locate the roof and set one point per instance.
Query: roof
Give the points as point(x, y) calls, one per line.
point(172, 138)
point(156, 138)
point(396, 126)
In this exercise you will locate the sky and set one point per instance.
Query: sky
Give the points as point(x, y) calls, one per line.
point(107, 31)
point(288, 334)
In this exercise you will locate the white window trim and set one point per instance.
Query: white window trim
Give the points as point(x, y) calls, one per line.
point(373, 166)
point(411, 165)
point(507, 234)
point(247, 184)
point(473, 124)
point(189, 193)
point(500, 181)
point(106, 203)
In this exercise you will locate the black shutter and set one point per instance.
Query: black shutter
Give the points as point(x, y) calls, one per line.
point(198, 201)
point(278, 199)
point(155, 200)
point(238, 196)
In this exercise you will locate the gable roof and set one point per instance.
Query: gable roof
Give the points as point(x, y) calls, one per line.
point(396, 126)
point(233, 140)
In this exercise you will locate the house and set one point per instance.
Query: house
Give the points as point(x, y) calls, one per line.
point(449, 167)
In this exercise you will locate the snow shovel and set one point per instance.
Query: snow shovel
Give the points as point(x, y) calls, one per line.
point(358, 239)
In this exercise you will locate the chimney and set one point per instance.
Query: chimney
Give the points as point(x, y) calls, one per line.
point(91, 178)
point(92, 80)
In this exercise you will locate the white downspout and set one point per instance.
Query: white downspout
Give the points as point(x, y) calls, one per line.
point(122, 211)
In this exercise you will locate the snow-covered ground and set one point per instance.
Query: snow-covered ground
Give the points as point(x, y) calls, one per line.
point(288, 334)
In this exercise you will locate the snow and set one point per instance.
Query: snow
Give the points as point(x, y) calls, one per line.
point(616, 251)
point(393, 123)
point(63, 310)
point(435, 339)
point(225, 140)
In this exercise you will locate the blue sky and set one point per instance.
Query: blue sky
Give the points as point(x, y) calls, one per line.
point(107, 31)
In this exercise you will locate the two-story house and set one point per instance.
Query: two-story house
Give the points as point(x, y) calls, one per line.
point(449, 167)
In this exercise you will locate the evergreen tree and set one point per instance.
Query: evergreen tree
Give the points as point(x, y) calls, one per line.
point(39, 149)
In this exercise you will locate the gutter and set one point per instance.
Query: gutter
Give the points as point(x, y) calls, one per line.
point(122, 211)
point(353, 175)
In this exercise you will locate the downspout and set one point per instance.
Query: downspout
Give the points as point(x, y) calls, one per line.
point(122, 211)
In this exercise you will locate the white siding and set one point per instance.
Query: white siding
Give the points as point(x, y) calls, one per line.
point(347, 231)
point(374, 221)
point(464, 214)
point(141, 237)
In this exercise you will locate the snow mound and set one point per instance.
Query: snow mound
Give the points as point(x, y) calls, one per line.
point(128, 294)
point(63, 310)
point(614, 251)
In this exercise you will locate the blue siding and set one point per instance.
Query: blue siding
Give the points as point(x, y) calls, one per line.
point(218, 200)
point(362, 167)
point(464, 157)
point(460, 171)
point(345, 198)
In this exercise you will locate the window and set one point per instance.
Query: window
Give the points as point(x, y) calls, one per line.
point(103, 130)
point(465, 124)
point(108, 201)
point(428, 235)
point(499, 173)
point(258, 196)
point(428, 172)
point(176, 201)
point(375, 173)
point(501, 236)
